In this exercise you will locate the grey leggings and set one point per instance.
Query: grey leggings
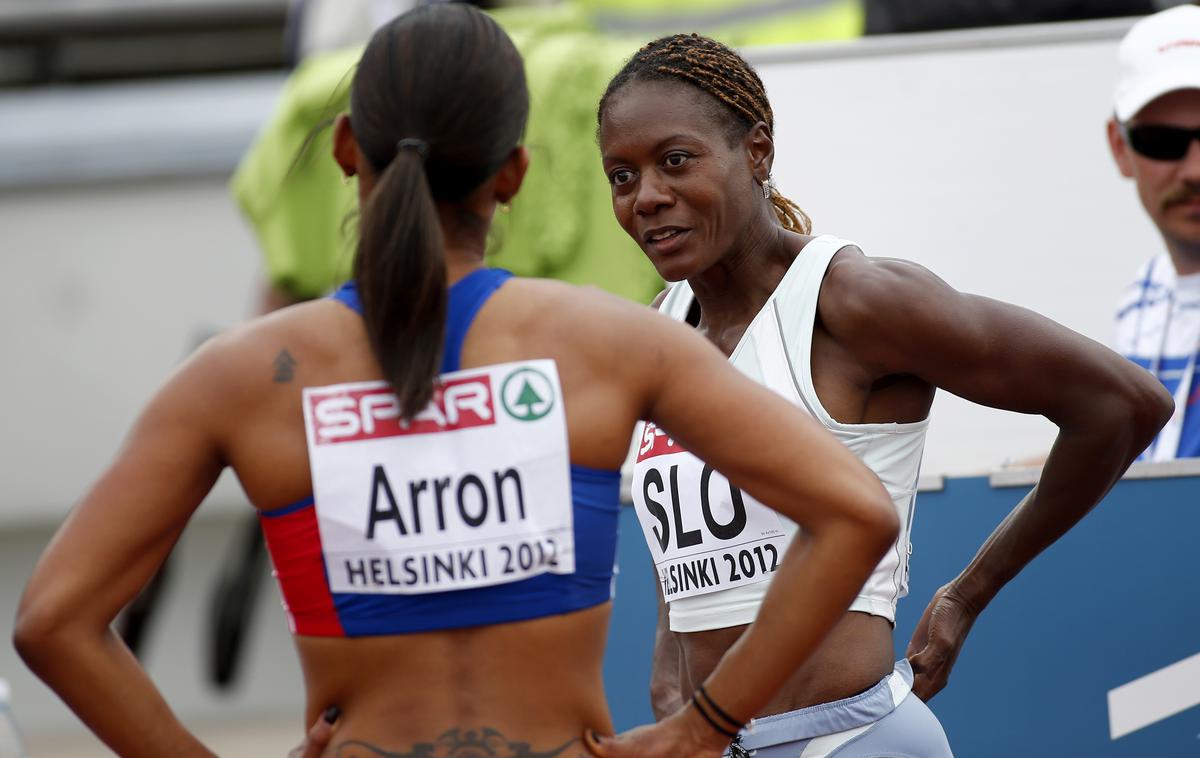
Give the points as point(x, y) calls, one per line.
point(910, 731)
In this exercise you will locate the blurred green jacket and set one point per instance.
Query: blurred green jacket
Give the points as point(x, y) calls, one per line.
point(561, 224)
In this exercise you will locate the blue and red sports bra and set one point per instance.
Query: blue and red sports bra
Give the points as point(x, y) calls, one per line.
point(326, 593)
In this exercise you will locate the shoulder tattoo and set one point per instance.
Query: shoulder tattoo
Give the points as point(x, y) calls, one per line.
point(285, 367)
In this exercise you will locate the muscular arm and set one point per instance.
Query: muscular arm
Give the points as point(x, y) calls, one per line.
point(902, 319)
point(102, 555)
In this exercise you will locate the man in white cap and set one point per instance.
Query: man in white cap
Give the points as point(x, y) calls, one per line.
point(1155, 138)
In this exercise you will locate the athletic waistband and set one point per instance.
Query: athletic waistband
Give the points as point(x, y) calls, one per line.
point(830, 718)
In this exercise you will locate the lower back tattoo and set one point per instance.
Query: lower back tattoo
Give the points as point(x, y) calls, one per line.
point(457, 743)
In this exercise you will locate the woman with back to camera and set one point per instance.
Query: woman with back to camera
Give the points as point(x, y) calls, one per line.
point(444, 546)
point(686, 137)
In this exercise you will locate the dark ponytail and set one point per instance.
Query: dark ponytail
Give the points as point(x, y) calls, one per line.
point(438, 104)
point(403, 295)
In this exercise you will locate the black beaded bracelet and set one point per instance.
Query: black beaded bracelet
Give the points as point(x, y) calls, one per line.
point(711, 721)
point(738, 725)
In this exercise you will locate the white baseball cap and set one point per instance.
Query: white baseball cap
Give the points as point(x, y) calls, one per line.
point(1160, 54)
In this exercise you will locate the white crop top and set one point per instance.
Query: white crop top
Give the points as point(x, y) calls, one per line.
point(727, 537)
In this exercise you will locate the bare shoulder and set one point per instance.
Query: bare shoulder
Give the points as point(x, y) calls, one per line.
point(867, 294)
point(305, 327)
point(582, 306)
point(601, 327)
point(244, 363)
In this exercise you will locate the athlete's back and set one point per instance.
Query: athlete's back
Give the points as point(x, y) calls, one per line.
point(489, 666)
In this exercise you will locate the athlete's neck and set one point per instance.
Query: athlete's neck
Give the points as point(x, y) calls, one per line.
point(460, 266)
point(733, 291)
point(465, 228)
point(464, 233)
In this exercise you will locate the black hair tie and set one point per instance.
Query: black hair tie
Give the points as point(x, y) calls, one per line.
point(418, 146)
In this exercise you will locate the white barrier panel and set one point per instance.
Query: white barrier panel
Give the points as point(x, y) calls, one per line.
point(1154, 697)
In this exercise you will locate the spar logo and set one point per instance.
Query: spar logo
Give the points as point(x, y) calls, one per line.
point(342, 414)
point(655, 442)
point(527, 394)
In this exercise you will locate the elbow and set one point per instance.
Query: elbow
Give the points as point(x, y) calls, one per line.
point(30, 635)
point(878, 522)
point(1163, 407)
point(1125, 414)
point(888, 525)
point(37, 632)
point(27, 638)
point(1148, 407)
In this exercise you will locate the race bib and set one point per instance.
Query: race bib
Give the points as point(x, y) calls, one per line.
point(704, 534)
point(474, 491)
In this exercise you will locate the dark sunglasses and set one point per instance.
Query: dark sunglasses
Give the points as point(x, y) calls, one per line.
point(1160, 143)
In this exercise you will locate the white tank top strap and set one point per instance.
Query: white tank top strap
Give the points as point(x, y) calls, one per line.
point(678, 300)
point(795, 302)
point(805, 274)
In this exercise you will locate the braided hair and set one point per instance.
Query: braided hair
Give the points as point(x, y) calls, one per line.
point(733, 85)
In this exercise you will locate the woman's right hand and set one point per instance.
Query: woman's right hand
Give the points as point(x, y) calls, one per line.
point(683, 734)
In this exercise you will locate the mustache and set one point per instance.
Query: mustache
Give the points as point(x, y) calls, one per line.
point(1183, 194)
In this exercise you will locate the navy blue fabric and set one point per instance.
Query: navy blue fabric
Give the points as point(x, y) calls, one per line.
point(285, 510)
point(347, 295)
point(467, 296)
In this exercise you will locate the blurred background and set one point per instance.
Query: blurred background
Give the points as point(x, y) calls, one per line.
point(967, 135)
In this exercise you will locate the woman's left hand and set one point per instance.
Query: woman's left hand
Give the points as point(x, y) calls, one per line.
point(937, 641)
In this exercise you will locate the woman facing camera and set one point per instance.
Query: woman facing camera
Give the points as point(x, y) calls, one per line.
point(433, 452)
point(861, 344)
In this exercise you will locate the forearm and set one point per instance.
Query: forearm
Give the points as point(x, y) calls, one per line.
point(817, 580)
point(101, 681)
point(1082, 467)
point(666, 675)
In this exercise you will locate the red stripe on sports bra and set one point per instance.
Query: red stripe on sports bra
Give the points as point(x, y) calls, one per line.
point(294, 542)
